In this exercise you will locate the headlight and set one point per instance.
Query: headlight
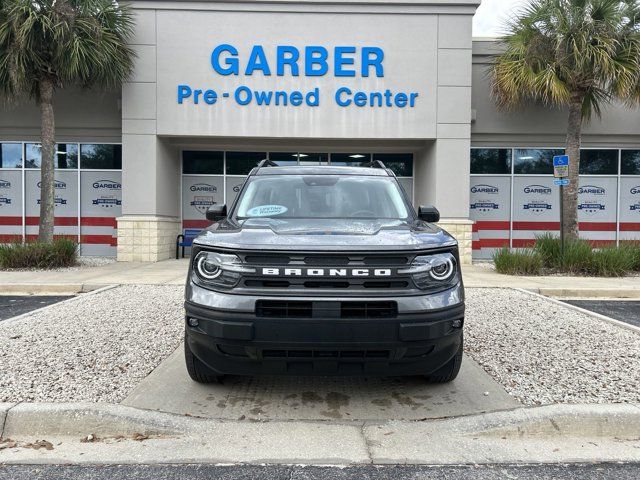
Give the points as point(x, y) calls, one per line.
point(431, 272)
point(219, 269)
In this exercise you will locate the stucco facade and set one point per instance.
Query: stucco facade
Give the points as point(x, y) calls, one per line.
point(339, 79)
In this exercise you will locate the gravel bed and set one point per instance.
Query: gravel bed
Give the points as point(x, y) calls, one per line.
point(94, 348)
point(544, 353)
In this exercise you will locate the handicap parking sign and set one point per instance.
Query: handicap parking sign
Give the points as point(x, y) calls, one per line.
point(561, 166)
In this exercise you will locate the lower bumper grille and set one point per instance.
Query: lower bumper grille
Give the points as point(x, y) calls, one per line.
point(307, 309)
point(384, 354)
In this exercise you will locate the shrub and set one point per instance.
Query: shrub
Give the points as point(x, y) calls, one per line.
point(577, 257)
point(548, 247)
point(610, 262)
point(61, 253)
point(517, 262)
point(633, 251)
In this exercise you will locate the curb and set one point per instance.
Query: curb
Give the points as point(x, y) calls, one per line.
point(103, 419)
point(584, 311)
point(49, 288)
point(127, 435)
point(630, 293)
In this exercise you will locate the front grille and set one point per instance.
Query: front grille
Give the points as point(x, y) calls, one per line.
point(305, 309)
point(329, 281)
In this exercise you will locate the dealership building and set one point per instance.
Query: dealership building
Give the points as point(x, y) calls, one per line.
point(219, 86)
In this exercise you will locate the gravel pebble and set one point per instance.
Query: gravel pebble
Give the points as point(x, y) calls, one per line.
point(544, 353)
point(96, 348)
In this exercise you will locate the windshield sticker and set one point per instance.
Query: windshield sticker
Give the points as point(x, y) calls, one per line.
point(266, 210)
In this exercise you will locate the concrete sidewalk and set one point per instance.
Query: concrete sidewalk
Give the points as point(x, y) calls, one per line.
point(172, 272)
point(119, 434)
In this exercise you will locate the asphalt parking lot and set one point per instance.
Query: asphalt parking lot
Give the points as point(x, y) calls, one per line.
point(627, 311)
point(13, 305)
point(591, 471)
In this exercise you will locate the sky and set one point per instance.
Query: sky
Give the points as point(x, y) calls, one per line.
point(490, 16)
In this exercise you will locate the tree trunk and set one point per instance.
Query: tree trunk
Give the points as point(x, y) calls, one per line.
point(570, 198)
point(47, 191)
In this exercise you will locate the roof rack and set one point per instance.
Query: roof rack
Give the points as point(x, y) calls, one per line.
point(263, 163)
point(375, 164)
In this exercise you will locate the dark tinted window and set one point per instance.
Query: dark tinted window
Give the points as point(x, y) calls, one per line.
point(313, 158)
point(400, 163)
point(11, 155)
point(284, 158)
point(598, 162)
point(491, 160)
point(98, 156)
point(350, 159)
point(535, 160)
point(241, 163)
point(202, 162)
point(66, 155)
point(630, 162)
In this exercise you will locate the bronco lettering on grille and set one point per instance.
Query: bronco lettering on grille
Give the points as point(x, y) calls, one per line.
point(328, 272)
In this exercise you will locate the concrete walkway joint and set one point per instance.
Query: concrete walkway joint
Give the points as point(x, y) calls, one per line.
point(558, 433)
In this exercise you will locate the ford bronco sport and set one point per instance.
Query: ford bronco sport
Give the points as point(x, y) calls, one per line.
point(323, 271)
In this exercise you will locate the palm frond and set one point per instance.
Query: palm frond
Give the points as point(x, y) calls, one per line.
point(559, 50)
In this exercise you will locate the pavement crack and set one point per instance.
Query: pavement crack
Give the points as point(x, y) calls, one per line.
point(6, 416)
point(366, 442)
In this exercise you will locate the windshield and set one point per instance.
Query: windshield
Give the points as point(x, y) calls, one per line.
point(322, 196)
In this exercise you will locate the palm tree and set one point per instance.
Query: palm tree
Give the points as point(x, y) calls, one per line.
point(46, 45)
point(579, 55)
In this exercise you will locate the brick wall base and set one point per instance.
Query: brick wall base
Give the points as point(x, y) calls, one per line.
point(147, 238)
point(461, 230)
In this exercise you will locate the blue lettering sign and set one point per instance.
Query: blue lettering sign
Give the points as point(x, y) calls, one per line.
point(231, 62)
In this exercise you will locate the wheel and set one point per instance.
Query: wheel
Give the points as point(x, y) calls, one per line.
point(197, 370)
point(450, 370)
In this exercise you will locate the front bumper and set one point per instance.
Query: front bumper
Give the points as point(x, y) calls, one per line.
point(231, 339)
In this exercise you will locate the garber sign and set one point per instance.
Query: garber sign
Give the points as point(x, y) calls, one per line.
point(292, 61)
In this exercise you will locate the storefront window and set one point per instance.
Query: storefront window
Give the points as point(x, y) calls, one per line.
point(491, 160)
point(11, 155)
point(400, 163)
point(284, 158)
point(96, 156)
point(201, 162)
point(66, 155)
point(241, 163)
point(598, 162)
point(630, 162)
point(535, 161)
point(313, 158)
point(350, 159)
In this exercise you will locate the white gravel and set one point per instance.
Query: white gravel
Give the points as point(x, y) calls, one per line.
point(544, 353)
point(95, 348)
point(99, 346)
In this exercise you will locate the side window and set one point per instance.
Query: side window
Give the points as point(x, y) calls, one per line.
point(630, 162)
point(598, 162)
point(491, 161)
point(100, 156)
point(535, 161)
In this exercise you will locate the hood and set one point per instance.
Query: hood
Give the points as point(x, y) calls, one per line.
point(324, 234)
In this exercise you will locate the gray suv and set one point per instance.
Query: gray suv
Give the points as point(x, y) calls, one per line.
point(323, 271)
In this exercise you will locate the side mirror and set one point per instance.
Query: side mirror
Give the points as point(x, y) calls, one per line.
point(428, 213)
point(217, 212)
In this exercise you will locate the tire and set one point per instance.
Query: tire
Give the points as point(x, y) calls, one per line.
point(197, 370)
point(450, 370)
